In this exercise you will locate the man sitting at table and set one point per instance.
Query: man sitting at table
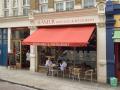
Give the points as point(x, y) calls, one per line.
point(48, 65)
point(63, 66)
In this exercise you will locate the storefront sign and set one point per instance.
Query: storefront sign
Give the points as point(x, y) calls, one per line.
point(65, 21)
point(117, 19)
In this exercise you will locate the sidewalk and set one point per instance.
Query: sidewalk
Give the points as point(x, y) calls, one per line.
point(40, 80)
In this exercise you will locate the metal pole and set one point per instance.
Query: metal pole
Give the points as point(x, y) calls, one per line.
point(74, 56)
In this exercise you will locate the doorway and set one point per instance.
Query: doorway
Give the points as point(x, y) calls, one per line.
point(19, 52)
point(117, 60)
point(3, 47)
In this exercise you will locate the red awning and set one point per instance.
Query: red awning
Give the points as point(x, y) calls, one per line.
point(60, 36)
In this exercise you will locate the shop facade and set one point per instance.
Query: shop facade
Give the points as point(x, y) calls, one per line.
point(112, 35)
point(39, 23)
point(64, 20)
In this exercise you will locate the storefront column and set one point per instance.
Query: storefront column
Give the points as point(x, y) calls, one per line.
point(101, 44)
point(33, 59)
point(101, 53)
point(9, 40)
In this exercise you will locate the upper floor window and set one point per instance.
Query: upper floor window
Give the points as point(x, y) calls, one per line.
point(69, 5)
point(59, 6)
point(6, 3)
point(43, 5)
point(15, 3)
point(64, 5)
point(26, 11)
point(6, 13)
point(15, 12)
point(43, 1)
point(26, 7)
point(26, 2)
point(88, 3)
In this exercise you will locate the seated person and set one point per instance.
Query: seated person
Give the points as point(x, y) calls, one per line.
point(63, 66)
point(48, 64)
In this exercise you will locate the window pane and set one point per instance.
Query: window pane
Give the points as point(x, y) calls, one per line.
point(0, 36)
point(6, 13)
point(4, 31)
point(5, 36)
point(43, 1)
point(6, 3)
point(0, 31)
point(25, 11)
point(5, 41)
point(0, 41)
point(59, 6)
point(70, 5)
point(44, 8)
point(88, 3)
point(26, 2)
point(15, 12)
point(15, 3)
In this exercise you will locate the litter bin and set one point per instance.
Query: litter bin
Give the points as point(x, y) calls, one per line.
point(113, 82)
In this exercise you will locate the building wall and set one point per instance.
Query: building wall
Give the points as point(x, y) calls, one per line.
point(51, 13)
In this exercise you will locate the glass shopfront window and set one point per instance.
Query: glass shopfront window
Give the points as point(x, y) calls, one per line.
point(18, 34)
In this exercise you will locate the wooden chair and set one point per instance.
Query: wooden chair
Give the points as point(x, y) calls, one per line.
point(74, 72)
point(70, 71)
point(89, 74)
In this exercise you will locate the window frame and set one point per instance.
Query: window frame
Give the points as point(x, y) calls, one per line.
point(42, 4)
point(26, 7)
point(15, 5)
point(6, 10)
point(64, 5)
point(6, 4)
point(83, 5)
point(27, 3)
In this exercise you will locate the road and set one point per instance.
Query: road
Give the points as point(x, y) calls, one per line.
point(12, 86)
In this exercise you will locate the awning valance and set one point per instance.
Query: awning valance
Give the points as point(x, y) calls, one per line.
point(60, 36)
